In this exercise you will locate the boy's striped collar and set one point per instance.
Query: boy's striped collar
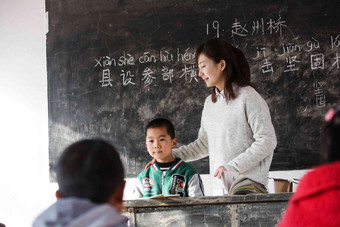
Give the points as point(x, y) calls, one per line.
point(174, 166)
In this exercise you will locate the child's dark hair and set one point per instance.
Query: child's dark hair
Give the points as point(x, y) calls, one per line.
point(162, 122)
point(89, 169)
point(330, 142)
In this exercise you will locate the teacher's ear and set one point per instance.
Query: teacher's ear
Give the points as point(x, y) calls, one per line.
point(223, 65)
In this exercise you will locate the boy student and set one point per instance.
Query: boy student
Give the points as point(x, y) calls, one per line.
point(167, 176)
point(90, 176)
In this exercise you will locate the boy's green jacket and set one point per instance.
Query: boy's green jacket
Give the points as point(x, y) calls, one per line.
point(181, 179)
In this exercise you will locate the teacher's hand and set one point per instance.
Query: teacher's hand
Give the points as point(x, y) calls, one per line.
point(219, 171)
point(150, 163)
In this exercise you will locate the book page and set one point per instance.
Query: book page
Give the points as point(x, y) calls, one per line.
point(228, 177)
point(163, 196)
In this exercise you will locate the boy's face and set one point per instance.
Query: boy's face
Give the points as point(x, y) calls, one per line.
point(159, 144)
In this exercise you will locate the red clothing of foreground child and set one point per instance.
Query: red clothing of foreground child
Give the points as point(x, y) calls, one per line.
point(317, 199)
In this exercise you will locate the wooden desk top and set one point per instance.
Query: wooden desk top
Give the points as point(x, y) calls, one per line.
point(206, 200)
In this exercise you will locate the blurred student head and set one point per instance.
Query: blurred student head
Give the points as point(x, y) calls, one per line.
point(91, 169)
point(330, 140)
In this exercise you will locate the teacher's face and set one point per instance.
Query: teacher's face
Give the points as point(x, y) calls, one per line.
point(211, 72)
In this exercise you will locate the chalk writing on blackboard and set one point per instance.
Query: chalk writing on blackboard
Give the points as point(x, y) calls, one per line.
point(337, 60)
point(288, 48)
point(309, 46)
point(319, 94)
point(148, 77)
point(106, 78)
point(258, 27)
point(189, 72)
point(167, 74)
point(128, 59)
point(166, 56)
point(266, 66)
point(216, 27)
point(317, 61)
point(147, 57)
point(335, 42)
point(290, 64)
point(127, 77)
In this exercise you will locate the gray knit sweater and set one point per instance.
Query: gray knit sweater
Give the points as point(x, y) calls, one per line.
point(238, 135)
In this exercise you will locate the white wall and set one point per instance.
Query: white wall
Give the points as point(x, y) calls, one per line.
point(24, 183)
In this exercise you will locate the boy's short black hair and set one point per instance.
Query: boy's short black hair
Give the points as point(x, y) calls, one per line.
point(90, 169)
point(162, 122)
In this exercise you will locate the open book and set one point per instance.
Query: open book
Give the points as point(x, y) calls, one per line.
point(236, 183)
point(163, 196)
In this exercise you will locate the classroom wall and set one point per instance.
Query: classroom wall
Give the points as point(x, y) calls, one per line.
point(24, 184)
point(24, 177)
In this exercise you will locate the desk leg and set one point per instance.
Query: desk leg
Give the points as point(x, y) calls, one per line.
point(132, 217)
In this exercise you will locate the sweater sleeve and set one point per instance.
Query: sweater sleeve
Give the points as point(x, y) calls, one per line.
point(195, 186)
point(259, 120)
point(195, 150)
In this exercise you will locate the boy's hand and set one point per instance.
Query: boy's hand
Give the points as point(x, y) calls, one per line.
point(150, 163)
point(219, 171)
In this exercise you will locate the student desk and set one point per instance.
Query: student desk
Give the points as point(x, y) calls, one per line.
point(243, 210)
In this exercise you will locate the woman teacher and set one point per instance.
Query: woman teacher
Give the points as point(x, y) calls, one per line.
point(236, 129)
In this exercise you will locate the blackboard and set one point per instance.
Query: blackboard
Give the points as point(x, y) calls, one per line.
point(115, 65)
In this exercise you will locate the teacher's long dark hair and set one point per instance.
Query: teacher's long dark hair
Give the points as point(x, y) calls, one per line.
point(237, 67)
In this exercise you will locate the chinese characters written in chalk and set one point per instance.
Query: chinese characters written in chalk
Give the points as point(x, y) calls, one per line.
point(258, 26)
point(291, 53)
point(150, 74)
point(319, 94)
